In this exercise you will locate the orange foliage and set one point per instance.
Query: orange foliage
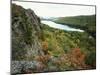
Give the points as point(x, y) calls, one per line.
point(44, 58)
point(78, 54)
point(77, 58)
point(42, 62)
point(45, 45)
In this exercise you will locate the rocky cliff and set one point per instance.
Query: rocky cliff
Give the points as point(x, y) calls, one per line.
point(37, 47)
point(26, 42)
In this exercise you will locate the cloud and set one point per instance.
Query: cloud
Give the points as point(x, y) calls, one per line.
point(57, 10)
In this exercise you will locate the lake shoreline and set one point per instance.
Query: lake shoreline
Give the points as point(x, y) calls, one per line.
point(78, 26)
point(61, 26)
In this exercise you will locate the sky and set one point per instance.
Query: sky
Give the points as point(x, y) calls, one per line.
point(57, 10)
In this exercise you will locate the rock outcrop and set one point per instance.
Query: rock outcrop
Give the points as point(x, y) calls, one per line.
point(38, 48)
point(26, 42)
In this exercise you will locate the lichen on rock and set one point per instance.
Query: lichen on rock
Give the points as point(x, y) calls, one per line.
point(26, 42)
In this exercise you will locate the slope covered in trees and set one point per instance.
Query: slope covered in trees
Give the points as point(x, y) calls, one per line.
point(87, 23)
point(63, 42)
point(36, 47)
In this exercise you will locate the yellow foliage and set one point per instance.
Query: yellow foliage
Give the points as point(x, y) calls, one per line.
point(45, 45)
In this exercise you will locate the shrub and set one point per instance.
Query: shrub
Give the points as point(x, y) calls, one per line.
point(45, 47)
point(77, 58)
point(91, 59)
point(43, 58)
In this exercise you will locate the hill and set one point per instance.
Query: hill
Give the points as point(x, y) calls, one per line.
point(87, 23)
point(37, 48)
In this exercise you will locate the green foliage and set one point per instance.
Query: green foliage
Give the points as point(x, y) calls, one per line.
point(23, 32)
point(61, 42)
point(73, 50)
point(91, 59)
point(87, 23)
point(24, 25)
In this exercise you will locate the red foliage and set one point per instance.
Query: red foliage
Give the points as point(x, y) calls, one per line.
point(77, 58)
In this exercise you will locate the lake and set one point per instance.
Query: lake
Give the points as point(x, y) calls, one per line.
point(60, 26)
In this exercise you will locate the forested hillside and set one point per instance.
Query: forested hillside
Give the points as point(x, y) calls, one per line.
point(36, 47)
point(87, 23)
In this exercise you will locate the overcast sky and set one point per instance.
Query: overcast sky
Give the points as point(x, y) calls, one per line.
point(57, 10)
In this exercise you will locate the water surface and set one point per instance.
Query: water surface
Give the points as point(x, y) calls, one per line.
point(60, 26)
